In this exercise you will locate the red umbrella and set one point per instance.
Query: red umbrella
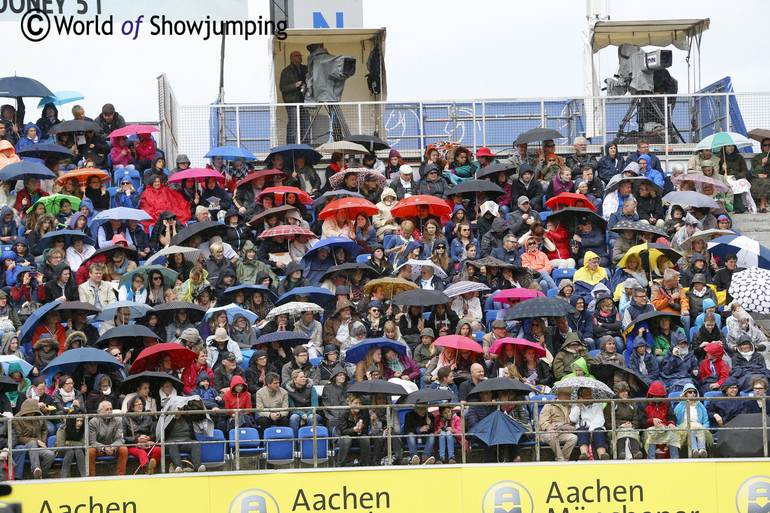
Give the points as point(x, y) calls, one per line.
point(265, 173)
point(352, 205)
point(456, 341)
point(498, 347)
point(148, 359)
point(569, 199)
point(130, 130)
point(408, 206)
point(280, 191)
point(286, 230)
point(199, 174)
point(520, 293)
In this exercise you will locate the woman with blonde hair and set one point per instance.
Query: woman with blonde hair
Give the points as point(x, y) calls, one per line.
point(373, 358)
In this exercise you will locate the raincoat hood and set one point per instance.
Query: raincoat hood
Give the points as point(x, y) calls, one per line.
point(202, 376)
point(567, 283)
point(454, 210)
point(607, 148)
point(715, 349)
point(708, 303)
point(237, 380)
point(729, 382)
point(32, 125)
point(640, 342)
point(292, 267)
point(342, 304)
point(387, 191)
point(689, 386)
point(48, 341)
point(571, 338)
point(87, 203)
point(499, 225)
point(697, 257)
point(7, 149)
point(72, 337)
point(29, 408)
point(97, 389)
point(657, 389)
point(600, 288)
point(462, 323)
point(6, 344)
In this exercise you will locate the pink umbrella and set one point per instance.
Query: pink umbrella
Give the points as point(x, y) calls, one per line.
point(286, 230)
point(130, 130)
point(458, 342)
point(199, 174)
point(499, 344)
point(519, 293)
point(701, 180)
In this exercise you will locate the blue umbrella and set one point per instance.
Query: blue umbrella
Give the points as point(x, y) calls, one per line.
point(289, 151)
point(498, 429)
point(122, 213)
point(317, 295)
point(230, 153)
point(60, 98)
point(7, 360)
point(11, 87)
point(34, 320)
point(44, 150)
point(25, 168)
point(71, 359)
point(42, 244)
point(249, 289)
point(331, 244)
point(289, 338)
point(750, 253)
point(231, 311)
point(357, 353)
point(136, 310)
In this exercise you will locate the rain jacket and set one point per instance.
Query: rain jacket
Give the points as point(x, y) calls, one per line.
point(535, 259)
point(648, 362)
point(660, 341)
point(30, 430)
point(155, 201)
point(235, 401)
point(656, 410)
point(652, 173)
point(605, 357)
point(738, 359)
point(585, 279)
point(728, 410)
point(532, 190)
point(713, 371)
point(677, 370)
point(660, 297)
point(7, 154)
point(8, 228)
point(607, 167)
point(611, 324)
point(563, 360)
point(26, 141)
point(493, 238)
point(680, 410)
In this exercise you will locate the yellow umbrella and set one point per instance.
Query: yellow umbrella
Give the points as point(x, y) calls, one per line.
point(650, 252)
point(390, 284)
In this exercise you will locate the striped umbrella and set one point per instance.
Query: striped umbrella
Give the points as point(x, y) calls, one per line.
point(719, 140)
point(750, 252)
point(463, 287)
point(286, 230)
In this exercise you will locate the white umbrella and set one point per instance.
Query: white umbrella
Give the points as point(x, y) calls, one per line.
point(342, 147)
point(192, 255)
point(750, 288)
point(293, 309)
point(750, 253)
point(417, 267)
point(461, 287)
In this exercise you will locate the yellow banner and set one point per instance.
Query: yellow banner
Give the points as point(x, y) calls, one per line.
point(591, 487)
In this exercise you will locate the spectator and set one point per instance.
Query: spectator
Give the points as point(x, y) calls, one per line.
point(588, 416)
point(95, 291)
point(109, 120)
point(590, 239)
point(643, 362)
point(107, 439)
point(721, 412)
point(353, 427)
point(696, 424)
point(571, 350)
point(558, 427)
point(226, 371)
point(669, 296)
point(611, 164)
point(31, 436)
point(272, 396)
point(300, 362)
point(643, 148)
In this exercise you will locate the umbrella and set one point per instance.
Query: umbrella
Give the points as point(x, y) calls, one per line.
point(351, 205)
point(635, 181)
point(230, 153)
point(265, 173)
point(417, 266)
point(374, 386)
point(372, 142)
point(133, 332)
point(647, 317)
point(156, 379)
point(320, 201)
point(523, 344)
point(638, 226)
point(290, 151)
point(53, 203)
point(421, 297)
point(600, 390)
point(286, 338)
point(342, 147)
point(571, 216)
point(332, 243)
point(45, 150)
point(463, 287)
point(280, 211)
point(408, 206)
point(46, 239)
point(368, 270)
point(123, 214)
point(7, 359)
point(249, 289)
point(83, 176)
point(194, 312)
point(70, 360)
point(317, 295)
point(191, 255)
point(147, 360)
point(719, 185)
point(444, 149)
point(361, 173)
point(60, 98)
point(129, 130)
point(492, 262)
point(232, 311)
point(169, 275)
point(494, 168)
point(357, 352)
point(540, 307)
point(498, 428)
point(705, 236)
point(294, 309)
point(649, 254)
point(135, 310)
point(206, 230)
point(12, 87)
point(25, 168)
point(473, 186)
point(569, 199)
point(745, 441)
point(389, 284)
point(279, 192)
point(71, 306)
point(73, 125)
point(750, 252)
point(8, 385)
point(519, 293)
point(501, 385)
point(199, 174)
point(458, 342)
point(34, 320)
point(749, 288)
point(691, 198)
point(537, 134)
point(428, 395)
point(719, 140)
point(605, 372)
point(758, 134)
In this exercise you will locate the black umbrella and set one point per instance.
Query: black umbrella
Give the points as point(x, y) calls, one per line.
point(131, 252)
point(421, 297)
point(376, 386)
point(745, 442)
point(472, 186)
point(501, 385)
point(605, 372)
point(638, 226)
point(368, 141)
point(7, 384)
point(428, 395)
point(537, 134)
point(492, 170)
point(368, 270)
point(195, 313)
point(635, 181)
point(71, 306)
point(12, 87)
point(540, 307)
point(647, 317)
point(156, 379)
point(206, 229)
point(134, 332)
point(73, 125)
point(572, 216)
point(45, 150)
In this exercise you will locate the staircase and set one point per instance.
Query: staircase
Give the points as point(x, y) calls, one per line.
point(757, 227)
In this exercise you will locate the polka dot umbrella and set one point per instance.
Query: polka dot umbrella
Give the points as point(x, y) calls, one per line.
point(750, 288)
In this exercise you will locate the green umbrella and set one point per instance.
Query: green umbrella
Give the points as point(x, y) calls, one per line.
point(169, 276)
point(52, 203)
point(719, 140)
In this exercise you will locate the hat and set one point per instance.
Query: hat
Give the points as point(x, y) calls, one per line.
point(227, 355)
point(698, 278)
point(330, 348)
point(258, 354)
point(525, 168)
point(118, 237)
point(523, 199)
point(406, 169)
point(620, 386)
point(427, 332)
point(631, 283)
point(484, 152)
point(190, 335)
point(499, 324)
point(375, 304)
point(220, 335)
point(372, 368)
point(707, 163)
point(182, 159)
point(583, 220)
point(341, 290)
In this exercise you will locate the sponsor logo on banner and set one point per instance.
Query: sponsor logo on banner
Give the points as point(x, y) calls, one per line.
point(507, 497)
point(754, 495)
point(254, 501)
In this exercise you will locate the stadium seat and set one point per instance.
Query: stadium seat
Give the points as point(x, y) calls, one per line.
point(213, 454)
point(594, 352)
point(692, 332)
point(363, 258)
point(562, 274)
point(315, 361)
point(627, 355)
point(322, 452)
point(552, 292)
point(279, 446)
point(249, 444)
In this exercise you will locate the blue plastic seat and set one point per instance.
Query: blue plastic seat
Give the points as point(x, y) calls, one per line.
point(363, 258)
point(322, 451)
point(249, 443)
point(279, 448)
point(213, 454)
point(552, 292)
point(562, 274)
point(594, 352)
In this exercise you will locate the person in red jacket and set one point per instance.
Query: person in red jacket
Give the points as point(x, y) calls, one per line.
point(190, 374)
point(659, 419)
point(713, 370)
point(238, 398)
point(561, 257)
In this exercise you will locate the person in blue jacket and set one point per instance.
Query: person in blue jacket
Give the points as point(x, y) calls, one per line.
point(647, 170)
point(31, 136)
point(697, 439)
point(8, 227)
point(126, 195)
point(591, 238)
point(679, 367)
point(49, 118)
point(611, 163)
point(642, 148)
point(643, 362)
point(721, 412)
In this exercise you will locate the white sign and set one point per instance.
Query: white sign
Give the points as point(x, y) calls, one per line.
point(329, 14)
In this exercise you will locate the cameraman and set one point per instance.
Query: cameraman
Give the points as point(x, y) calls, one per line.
point(292, 86)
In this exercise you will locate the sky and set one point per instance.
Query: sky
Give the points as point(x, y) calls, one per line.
point(434, 50)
